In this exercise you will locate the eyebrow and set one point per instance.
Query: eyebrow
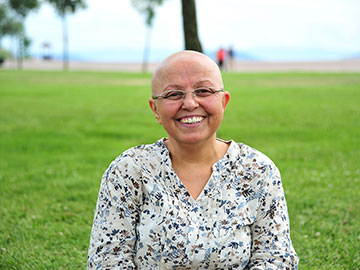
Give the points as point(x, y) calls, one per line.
point(178, 87)
point(203, 81)
point(173, 86)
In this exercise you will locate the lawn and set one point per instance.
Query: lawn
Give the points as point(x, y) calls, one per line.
point(59, 131)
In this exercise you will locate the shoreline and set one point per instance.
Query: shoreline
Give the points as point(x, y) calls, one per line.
point(348, 65)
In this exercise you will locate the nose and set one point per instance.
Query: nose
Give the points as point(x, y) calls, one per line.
point(189, 102)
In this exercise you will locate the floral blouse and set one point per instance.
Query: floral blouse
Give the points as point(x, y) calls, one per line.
point(146, 219)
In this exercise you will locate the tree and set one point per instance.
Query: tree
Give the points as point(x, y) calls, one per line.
point(192, 42)
point(147, 8)
point(191, 37)
point(14, 15)
point(23, 7)
point(63, 7)
point(9, 25)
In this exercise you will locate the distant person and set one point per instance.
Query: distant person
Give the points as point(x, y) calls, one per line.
point(221, 54)
point(191, 200)
point(231, 56)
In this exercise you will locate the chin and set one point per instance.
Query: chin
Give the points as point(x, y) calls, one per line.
point(193, 138)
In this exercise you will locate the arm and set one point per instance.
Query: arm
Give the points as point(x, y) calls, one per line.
point(113, 236)
point(271, 243)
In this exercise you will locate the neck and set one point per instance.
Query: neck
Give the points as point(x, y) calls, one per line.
point(203, 153)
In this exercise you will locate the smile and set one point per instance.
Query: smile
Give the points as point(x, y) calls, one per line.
point(191, 120)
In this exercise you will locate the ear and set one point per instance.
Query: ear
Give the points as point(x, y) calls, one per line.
point(153, 107)
point(226, 99)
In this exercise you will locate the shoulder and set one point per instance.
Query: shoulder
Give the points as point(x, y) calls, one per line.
point(136, 158)
point(255, 161)
point(255, 170)
point(250, 154)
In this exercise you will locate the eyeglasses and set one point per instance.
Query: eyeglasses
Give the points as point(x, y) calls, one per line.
point(180, 94)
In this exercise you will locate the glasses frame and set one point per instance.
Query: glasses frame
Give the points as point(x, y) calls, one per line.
point(161, 96)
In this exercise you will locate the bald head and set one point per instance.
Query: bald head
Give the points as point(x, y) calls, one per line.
point(183, 66)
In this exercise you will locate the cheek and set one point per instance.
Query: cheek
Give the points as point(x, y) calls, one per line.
point(214, 107)
point(168, 111)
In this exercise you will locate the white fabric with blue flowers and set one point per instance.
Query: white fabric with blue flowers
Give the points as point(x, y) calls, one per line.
point(146, 219)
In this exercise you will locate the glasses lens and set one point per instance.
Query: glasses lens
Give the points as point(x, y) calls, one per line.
point(173, 95)
point(204, 92)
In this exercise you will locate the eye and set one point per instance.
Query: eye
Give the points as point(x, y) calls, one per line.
point(173, 94)
point(204, 91)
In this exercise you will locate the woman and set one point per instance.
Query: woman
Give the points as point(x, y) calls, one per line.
point(191, 201)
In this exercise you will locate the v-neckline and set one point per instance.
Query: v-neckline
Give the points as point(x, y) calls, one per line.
point(210, 184)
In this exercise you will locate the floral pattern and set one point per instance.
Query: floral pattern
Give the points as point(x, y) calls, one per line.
point(146, 219)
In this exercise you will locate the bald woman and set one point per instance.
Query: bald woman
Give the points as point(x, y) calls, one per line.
point(191, 200)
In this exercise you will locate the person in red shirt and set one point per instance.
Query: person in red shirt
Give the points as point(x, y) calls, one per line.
point(221, 54)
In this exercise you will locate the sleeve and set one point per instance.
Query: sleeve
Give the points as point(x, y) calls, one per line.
point(271, 243)
point(113, 235)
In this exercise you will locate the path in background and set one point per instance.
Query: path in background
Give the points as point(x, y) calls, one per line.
point(351, 65)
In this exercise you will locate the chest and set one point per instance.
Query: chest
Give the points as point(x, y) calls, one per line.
point(211, 232)
point(194, 180)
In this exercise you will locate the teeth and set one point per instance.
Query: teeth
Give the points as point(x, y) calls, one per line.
point(191, 120)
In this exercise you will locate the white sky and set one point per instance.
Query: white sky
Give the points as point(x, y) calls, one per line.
point(273, 29)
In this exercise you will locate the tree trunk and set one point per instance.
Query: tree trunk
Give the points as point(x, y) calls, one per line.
point(146, 53)
point(192, 41)
point(20, 54)
point(65, 43)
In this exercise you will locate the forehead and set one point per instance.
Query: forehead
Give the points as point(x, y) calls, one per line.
point(186, 71)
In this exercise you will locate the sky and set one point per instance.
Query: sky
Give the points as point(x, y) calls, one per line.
point(270, 30)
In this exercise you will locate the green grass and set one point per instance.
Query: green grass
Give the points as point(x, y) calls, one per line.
point(59, 131)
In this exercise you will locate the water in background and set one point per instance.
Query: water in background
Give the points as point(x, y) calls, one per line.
point(266, 54)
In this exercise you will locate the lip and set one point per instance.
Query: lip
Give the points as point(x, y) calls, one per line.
point(191, 120)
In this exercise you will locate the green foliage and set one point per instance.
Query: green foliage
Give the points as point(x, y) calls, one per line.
point(22, 7)
point(12, 15)
point(147, 8)
point(67, 6)
point(9, 24)
point(59, 131)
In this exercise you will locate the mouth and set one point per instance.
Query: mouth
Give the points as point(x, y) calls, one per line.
point(191, 119)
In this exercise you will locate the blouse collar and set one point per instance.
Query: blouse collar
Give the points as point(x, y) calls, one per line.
point(220, 169)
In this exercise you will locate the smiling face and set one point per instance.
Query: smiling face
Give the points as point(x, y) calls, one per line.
point(192, 119)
